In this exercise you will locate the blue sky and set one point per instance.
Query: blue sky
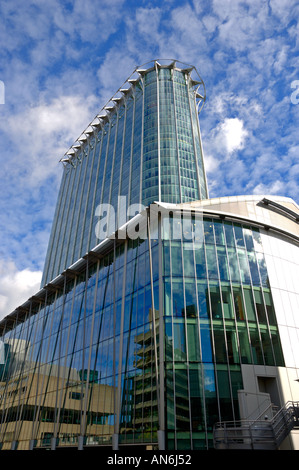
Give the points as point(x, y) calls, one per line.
point(61, 61)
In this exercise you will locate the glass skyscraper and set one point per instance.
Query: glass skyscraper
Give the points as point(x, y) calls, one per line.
point(161, 312)
point(144, 146)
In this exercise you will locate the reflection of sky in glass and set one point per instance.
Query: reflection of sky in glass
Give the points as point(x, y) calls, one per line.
point(209, 378)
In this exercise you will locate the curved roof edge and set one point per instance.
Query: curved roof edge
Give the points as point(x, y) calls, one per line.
point(278, 212)
point(269, 213)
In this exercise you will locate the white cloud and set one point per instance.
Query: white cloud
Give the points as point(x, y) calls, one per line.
point(16, 286)
point(31, 173)
point(283, 9)
point(234, 134)
point(275, 188)
point(148, 20)
point(110, 80)
point(211, 163)
point(47, 129)
point(228, 137)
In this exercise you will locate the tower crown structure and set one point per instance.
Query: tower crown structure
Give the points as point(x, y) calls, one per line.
point(143, 146)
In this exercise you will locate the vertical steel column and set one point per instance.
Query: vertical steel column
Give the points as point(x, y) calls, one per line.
point(92, 150)
point(63, 224)
point(264, 302)
point(131, 152)
point(45, 378)
point(20, 405)
point(114, 329)
point(158, 120)
point(89, 185)
point(119, 214)
point(154, 326)
point(212, 330)
point(176, 135)
point(13, 374)
point(106, 156)
point(202, 156)
point(87, 246)
point(161, 391)
point(66, 242)
point(142, 139)
point(82, 437)
point(223, 320)
point(83, 402)
point(255, 310)
point(115, 437)
point(172, 329)
point(195, 247)
point(4, 397)
point(33, 440)
point(30, 341)
point(187, 78)
point(57, 401)
point(111, 180)
point(75, 256)
point(185, 324)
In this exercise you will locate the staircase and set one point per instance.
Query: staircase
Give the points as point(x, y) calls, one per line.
point(258, 434)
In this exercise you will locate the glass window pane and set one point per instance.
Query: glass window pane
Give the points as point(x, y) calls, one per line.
point(211, 262)
point(210, 396)
point(190, 293)
point(203, 299)
point(270, 308)
point(250, 310)
point(182, 400)
point(188, 260)
point(223, 264)
point(193, 341)
point(200, 261)
point(256, 345)
point(179, 341)
point(233, 265)
point(178, 297)
point(267, 348)
point(176, 259)
point(259, 305)
point(239, 235)
point(229, 235)
point(219, 234)
point(209, 232)
point(244, 345)
point(239, 304)
point(244, 266)
point(253, 268)
point(227, 300)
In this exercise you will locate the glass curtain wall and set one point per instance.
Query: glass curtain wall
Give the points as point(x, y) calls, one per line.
point(82, 362)
point(218, 315)
point(86, 360)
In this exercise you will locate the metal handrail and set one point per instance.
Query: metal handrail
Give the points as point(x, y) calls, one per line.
point(258, 433)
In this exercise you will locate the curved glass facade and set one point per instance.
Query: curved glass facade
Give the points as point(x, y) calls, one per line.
point(145, 147)
point(146, 335)
point(219, 315)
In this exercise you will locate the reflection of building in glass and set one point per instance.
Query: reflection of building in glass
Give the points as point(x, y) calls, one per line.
point(32, 407)
point(85, 362)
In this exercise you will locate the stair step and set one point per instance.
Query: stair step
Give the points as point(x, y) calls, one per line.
point(263, 435)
